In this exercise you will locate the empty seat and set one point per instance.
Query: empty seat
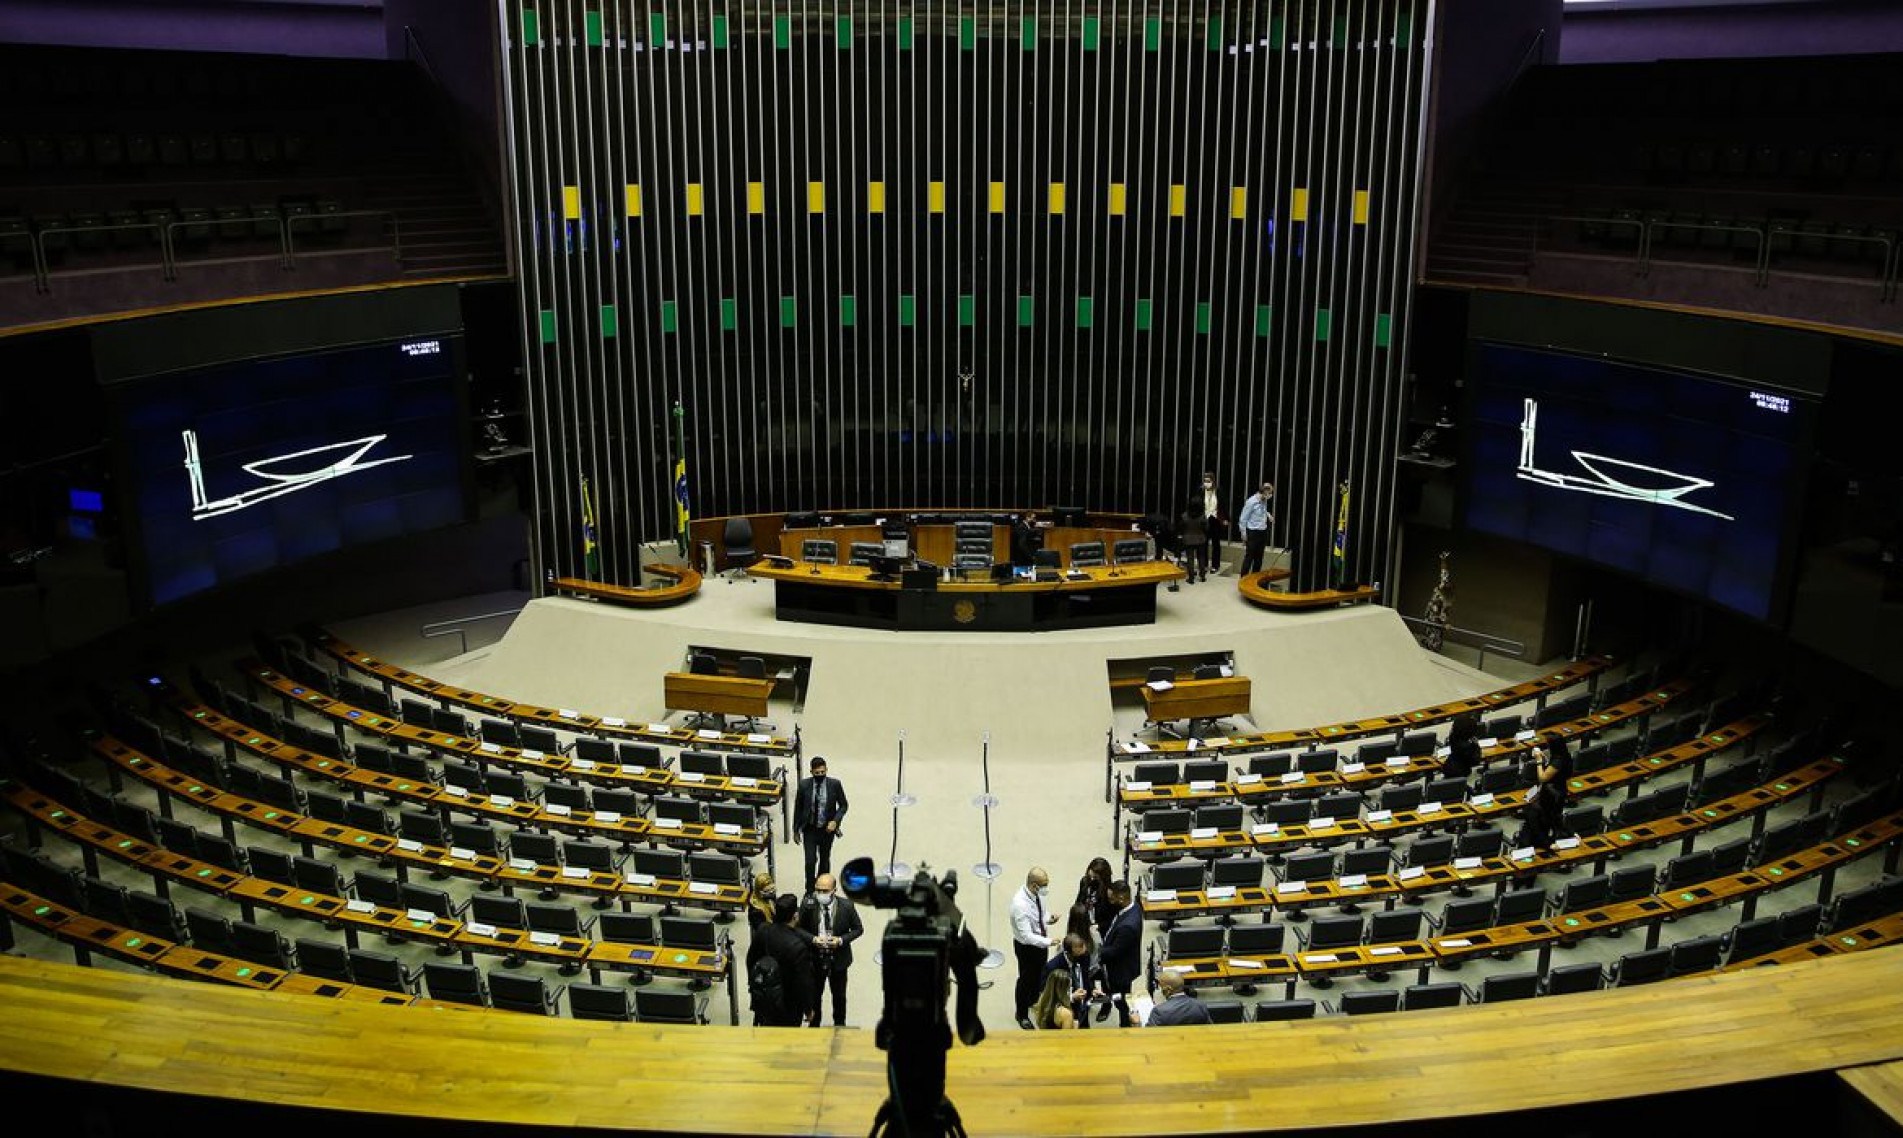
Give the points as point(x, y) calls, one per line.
point(1193, 943)
point(1256, 940)
point(324, 959)
point(1268, 1010)
point(1369, 1002)
point(1642, 967)
point(1699, 954)
point(381, 970)
point(1241, 872)
point(1443, 994)
point(600, 1002)
point(662, 1005)
point(517, 993)
point(1569, 978)
point(455, 983)
point(1177, 875)
point(1222, 1011)
point(1505, 986)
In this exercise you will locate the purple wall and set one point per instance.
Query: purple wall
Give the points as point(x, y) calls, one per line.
point(1840, 28)
point(351, 29)
point(1480, 45)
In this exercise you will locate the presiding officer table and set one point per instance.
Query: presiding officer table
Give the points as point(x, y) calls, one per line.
point(1094, 597)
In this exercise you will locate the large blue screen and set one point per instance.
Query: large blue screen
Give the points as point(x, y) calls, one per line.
point(242, 468)
point(1686, 481)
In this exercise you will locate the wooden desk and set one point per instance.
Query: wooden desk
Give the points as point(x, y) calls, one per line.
point(682, 582)
point(848, 595)
point(1197, 699)
point(1254, 589)
point(716, 695)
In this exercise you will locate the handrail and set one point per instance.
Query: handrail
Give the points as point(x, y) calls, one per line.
point(1761, 272)
point(284, 248)
point(1890, 277)
point(42, 282)
point(1500, 644)
point(396, 225)
point(454, 626)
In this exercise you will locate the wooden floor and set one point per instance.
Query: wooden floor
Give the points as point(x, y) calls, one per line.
point(1465, 1063)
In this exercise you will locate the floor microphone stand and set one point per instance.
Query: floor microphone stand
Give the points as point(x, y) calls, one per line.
point(988, 869)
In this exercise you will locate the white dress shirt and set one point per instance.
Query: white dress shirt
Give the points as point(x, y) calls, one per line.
point(1027, 926)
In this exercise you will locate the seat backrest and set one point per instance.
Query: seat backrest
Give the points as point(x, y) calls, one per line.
point(455, 983)
point(1464, 914)
point(1686, 869)
point(554, 918)
point(1288, 811)
point(733, 814)
point(519, 993)
point(1157, 774)
point(600, 1002)
point(1206, 770)
point(1334, 932)
point(502, 912)
point(680, 809)
point(271, 865)
point(715, 868)
point(658, 1005)
point(1699, 954)
point(1391, 926)
point(703, 763)
point(688, 932)
point(1442, 995)
point(1569, 978)
point(1238, 871)
point(380, 970)
point(1508, 986)
point(626, 928)
point(660, 863)
point(1219, 816)
point(1517, 906)
point(589, 855)
point(1642, 967)
point(425, 897)
point(819, 551)
point(1630, 881)
point(542, 849)
point(1317, 761)
point(324, 958)
point(1799, 924)
point(1754, 937)
point(1168, 821)
point(1223, 1011)
point(1267, 1010)
point(1366, 860)
point(749, 766)
point(1177, 875)
point(1584, 892)
point(1318, 865)
point(1435, 849)
point(1194, 943)
point(737, 533)
point(1370, 1002)
point(1256, 940)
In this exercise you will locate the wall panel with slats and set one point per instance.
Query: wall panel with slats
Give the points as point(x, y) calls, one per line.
point(1009, 253)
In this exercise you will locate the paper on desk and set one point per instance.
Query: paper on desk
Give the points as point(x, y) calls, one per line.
point(613, 721)
point(547, 940)
point(1136, 747)
point(1291, 887)
point(409, 845)
point(1467, 862)
point(480, 929)
point(1159, 685)
point(639, 878)
point(1489, 741)
point(756, 737)
point(702, 887)
point(744, 780)
point(1379, 815)
point(1526, 736)
point(532, 755)
point(667, 823)
point(582, 764)
point(1136, 784)
point(574, 871)
point(462, 854)
point(521, 863)
point(1160, 895)
point(708, 733)
point(490, 747)
point(609, 816)
point(360, 906)
point(568, 713)
point(690, 776)
point(1200, 833)
point(1247, 779)
point(1220, 892)
point(1409, 873)
point(1384, 950)
point(726, 828)
point(423, 915)
point(1354, 881)
point(1203, 784)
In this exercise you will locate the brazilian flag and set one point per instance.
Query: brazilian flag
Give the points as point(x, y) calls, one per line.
point(682, 513)
point(1338, 568)
point(590, 545)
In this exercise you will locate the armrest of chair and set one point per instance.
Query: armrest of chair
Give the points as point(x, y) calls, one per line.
point(1470, 993)
point(1328, 1008)
point(553, 998)
point(1433, 920)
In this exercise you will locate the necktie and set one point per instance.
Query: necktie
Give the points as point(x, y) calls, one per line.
point(826, 919)
point(819, 802)
point(1040, 908)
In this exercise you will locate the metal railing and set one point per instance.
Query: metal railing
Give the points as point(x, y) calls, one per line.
point(456, 626)
point(169, 243)
point(1890, 270)
point(1499, 645)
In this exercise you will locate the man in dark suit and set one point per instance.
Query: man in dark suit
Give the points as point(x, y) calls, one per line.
point(792, 949)
point(1122, 953)
point(818, 809)
point(834, 924)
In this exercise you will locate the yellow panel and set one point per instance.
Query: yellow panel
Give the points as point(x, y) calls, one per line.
point(1238, 202)
point(1179, 199)
point(1057, 197)
point(634, 199)
point(756, 197)
point(815, 197)
point(997, 197)
point(1118, 199)
point(935, 197)
point(571, 202)
point(1298, 205)
point(1361, 207)
point(694, 201)
point(875, 197)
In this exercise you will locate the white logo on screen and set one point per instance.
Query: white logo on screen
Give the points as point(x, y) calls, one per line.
point(1611, 477)
point(283, 474)
point(423, 348)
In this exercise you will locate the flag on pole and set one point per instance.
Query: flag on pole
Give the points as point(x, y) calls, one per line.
point(1339, 558)
point(681, 511)
point(590, 547)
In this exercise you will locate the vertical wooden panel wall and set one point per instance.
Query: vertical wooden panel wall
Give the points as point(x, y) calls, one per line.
point(930, 253)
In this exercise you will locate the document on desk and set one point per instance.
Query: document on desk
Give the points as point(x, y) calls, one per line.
point(1159, 685)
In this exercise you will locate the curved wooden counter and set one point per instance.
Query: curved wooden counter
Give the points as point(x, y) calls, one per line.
point(1476, 1068)
point(1255, 589)
point(685, 582)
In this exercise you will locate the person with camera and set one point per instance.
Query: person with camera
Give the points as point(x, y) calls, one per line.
point(819, 806)
point(780, 968)
point(834, 924)
point(1122, 952)
point(1030, 939)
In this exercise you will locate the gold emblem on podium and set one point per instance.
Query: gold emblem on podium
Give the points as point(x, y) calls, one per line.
point(964, 612)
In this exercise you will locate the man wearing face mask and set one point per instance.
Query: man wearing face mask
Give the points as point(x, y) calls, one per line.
point(834, 923)
point(1031, 919)
point(1215, 522)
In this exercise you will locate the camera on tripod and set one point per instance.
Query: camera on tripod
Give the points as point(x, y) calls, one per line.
point(925, 946)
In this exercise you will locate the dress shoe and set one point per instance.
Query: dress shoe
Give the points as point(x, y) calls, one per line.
point(1025, 1023)
point(1103, 1011)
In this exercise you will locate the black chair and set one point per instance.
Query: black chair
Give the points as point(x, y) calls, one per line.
point(1157, 773)
point(1752, 938)
point(1568, 979)
point(1435, 849)
point(716, 869)
point(1275, 764)
point(381, 970)
point(595, 750)
point(689, 932)
point(668, 865)
point(571, 795)
point(320, 877)
point(1645, 966)
point(501, 912)
point(1318, 865)
point(1583, 893)
point(107, 901)
point(324, 959)
point(1256, 940)
point(530, 994)
point(1368, 1002)
point(862, 552)
point(1086, 554)
point(455, 983)
point(559, 920)
point(703, 763)
point(1439, 995)
point(271, 865)
point(210, 932)
point(1223, 1011)
point(736, 540)
point(1318, 761)
point(820, 551)
point(1130, 550)
point(1196, 943)
point(600, 1002)
point(601, 857)
point(1699, 954)
point(1268, 1010)
point(1223, 816)
point(1505, 986)
point(1240, 872)
point(1518, 906)
point(262, 945)
point(662, 1005)
point(733, 814)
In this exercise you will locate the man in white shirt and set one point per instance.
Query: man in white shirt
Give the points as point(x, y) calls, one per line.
point(1030, 920)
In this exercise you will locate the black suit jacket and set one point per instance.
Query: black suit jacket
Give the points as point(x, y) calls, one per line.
point(846, 925)
point(803, 814)
point(793, 948)
point(1122, 951)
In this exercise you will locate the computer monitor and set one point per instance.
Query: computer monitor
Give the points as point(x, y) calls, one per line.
point(1070, 517)
point(1003, 572)
point(886, 567)
point(922, 577)
point(898, 547)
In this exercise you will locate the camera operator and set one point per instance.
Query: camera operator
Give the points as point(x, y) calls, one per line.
point(834, 924)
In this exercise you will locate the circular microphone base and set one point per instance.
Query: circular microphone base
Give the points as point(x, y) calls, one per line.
point(993, 959)
point(985, 801)
point(898, 870)
point(989, 870)
point(899, 800)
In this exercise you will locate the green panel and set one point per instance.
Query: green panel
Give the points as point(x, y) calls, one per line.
point(657, 30)
point(531, 27)
point(967, 310)
point(908, 310)
point(789, 312)
point(967, 32)
point(1027, 311)
point(842, 33)
point(729, 314)
point(1404, 29)
point(548, 326)
point(1152, 34)
point(1093, 32)
point(1324, 323)
point(1144, 312)
point(670, 316)
point(1027, 39)
point(592, 22)
point(848, 311)
point(1264, 318)
point(1202, 318)
point(610, 322)
point(1341, 31)
point(1278, 29)
point(905, 33)
point(1383, 330)
point(782, 31)
point(1086, 312)
point(720, 31)
point(1215, 33)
